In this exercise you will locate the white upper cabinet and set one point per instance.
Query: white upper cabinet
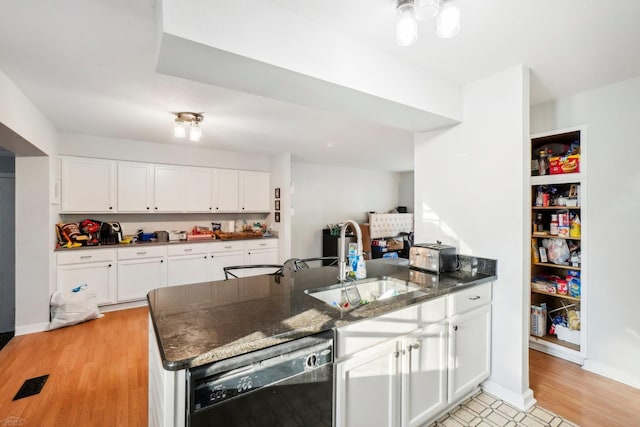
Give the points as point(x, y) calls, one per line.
point(98, 186)
point(255, 191)
point(225, 193)
point(135, 187)
point(169, 188)
point(87, 185)
point(199, 189)
point(212, 190)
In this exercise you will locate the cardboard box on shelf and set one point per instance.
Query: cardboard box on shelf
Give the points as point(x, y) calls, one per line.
point(566, 164)
point(539, 320)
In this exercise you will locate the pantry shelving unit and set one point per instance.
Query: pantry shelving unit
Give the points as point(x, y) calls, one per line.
point(574, 348)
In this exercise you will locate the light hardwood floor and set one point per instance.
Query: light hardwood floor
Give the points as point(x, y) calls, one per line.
point(97, 374)
point(98, 377)
point(580, 396)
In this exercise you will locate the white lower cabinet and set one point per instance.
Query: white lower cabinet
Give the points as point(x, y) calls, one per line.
point(225, 254)
point(410, 377)
point(261, 252)
point(400, 381)
point(424, 374)
point(97, 269)
point(139, 271)
point(367, 387)
point(187, 264)
point(469, 351)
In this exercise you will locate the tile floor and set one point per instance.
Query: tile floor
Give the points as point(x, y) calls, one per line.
point(484, 410)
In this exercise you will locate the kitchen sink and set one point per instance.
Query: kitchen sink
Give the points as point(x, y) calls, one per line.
point(360, 292)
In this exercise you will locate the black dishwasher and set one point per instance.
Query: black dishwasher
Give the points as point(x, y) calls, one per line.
point(290, 384)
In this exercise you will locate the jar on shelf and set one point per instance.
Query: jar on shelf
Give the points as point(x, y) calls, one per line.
point(543, 163)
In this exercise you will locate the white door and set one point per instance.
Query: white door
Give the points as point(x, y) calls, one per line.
point(424, 374)
point(135, 187)
point(7, 254)
point(255, 194)
point(87, 185)
point(169, 188)
point(183, 270)
point(100, 278)
point(198, 190)
point(137, 277)
point(367, 389)
point(469, 351)
point(225, 190)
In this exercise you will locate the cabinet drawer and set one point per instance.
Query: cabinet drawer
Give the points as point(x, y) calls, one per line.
point(262, 244)
point(142, 252)
point(194, 248)
point(86, 255)
point(364, 334)
point(226, 246)
point(468, 299)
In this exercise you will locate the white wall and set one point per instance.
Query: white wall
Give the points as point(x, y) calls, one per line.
point(281, 178)
point(31, 134)
point(611, 115)
point(470, 192)
point(74, 144)
point(406, 189)
point(329, 195)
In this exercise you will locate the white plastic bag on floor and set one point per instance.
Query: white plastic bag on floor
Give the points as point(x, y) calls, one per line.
point(70, 308)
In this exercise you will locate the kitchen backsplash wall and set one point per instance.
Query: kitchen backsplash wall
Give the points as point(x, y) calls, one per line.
point(131, 223)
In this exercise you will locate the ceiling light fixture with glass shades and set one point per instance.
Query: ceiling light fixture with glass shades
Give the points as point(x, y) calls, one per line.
point(409, 12)
point(188, 121)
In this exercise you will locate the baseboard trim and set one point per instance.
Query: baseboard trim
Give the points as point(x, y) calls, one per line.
point(557, 351)
point(123, 306)
point(612, 373)
point(522, 402)
point(31, 329)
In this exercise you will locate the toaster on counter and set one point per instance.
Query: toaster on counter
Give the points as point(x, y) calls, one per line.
point(433, 257)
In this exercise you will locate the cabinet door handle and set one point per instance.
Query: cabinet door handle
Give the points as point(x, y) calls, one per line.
point(86, 256)
point(148, 208)
point(110, 207)
point(414, 346)
point(188, 249)
point(455, 328)
point(263, 244)
point(228, 247)
point(141, 253)
point(475, 298)
point(396, 354)
point(156, 208)
point(109, 265)
point(205, 257)
point(161, 261)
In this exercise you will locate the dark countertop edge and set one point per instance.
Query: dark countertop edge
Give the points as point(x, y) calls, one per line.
point(174, 242)
point(418, 297)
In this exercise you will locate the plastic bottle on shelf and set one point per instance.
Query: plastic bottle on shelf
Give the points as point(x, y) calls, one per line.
point(553, 226)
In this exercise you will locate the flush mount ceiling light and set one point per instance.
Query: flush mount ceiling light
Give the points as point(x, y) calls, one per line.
point(189, 120)
point(409, 12)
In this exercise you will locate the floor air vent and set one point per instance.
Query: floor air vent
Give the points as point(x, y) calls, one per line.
point(31, 387)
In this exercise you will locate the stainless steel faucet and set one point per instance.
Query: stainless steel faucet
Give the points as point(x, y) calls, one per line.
point(342, 262)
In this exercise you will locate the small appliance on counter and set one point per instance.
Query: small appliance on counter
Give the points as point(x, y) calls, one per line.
point(434, 257)
point(162, 236)
point(110, 233)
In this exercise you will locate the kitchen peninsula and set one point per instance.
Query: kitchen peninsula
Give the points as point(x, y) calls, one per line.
point(208, 324)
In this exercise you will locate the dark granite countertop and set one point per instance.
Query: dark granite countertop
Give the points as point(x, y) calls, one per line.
point(212, 321)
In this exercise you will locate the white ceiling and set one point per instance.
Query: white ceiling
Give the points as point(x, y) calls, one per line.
point(89, 67)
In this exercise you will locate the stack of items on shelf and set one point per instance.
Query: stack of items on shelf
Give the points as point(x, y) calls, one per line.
point(556, 251)
point(88, 233)
point(569, 285)
point(556, 158)
point(558, 195)
point(566, 324)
